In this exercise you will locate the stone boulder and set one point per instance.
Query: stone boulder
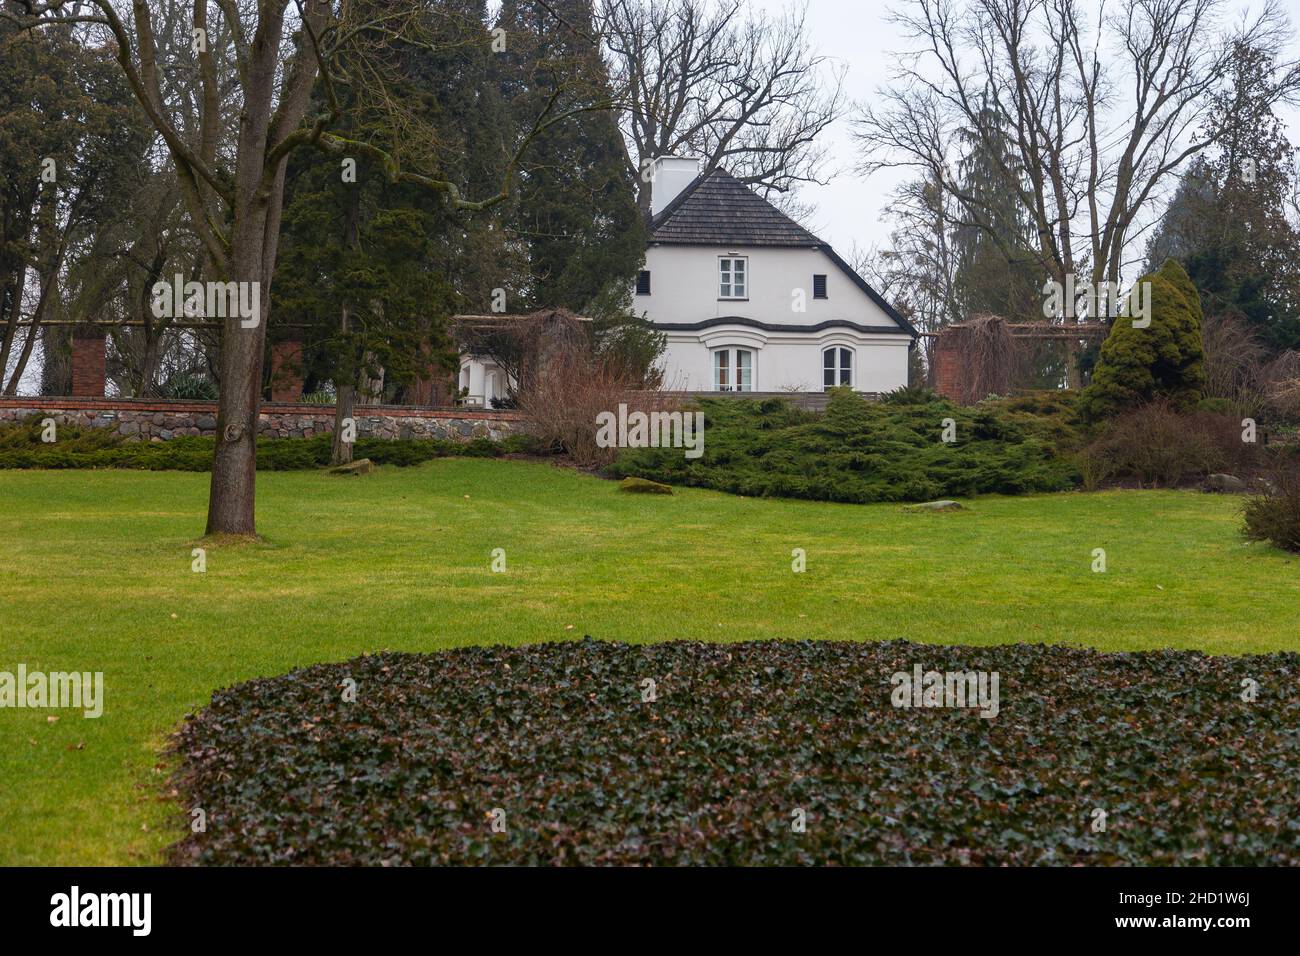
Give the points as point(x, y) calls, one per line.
point(933, 506)
point(1224, 484)
point(362, 466)
point(644, 486)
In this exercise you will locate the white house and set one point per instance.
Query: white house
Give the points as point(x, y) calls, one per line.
point(752, 301)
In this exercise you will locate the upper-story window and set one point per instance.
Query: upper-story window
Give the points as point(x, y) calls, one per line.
point(733, 277)
point(837, 367)
point(819, 287)
point(643, 282)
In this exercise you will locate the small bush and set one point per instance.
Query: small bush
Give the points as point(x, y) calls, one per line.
point(189, 385)
point(564, 401)
point(1274, 514)
point(1155, 445)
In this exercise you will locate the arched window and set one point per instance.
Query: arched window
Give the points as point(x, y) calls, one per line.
point(837, 367)
point(733, 370)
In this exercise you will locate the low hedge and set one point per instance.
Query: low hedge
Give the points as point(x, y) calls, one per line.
point(560, 745)
point(84, 447)
point(862, 451)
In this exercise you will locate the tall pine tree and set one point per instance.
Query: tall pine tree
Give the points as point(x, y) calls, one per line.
point(576, 212)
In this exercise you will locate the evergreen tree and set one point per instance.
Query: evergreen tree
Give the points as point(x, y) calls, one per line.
point(1163, 360)
point(1227, 221)
point(995, 266)
point(576, 212)
point(997, 271)
point(373, 269)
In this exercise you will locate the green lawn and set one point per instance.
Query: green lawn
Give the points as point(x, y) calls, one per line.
point(96, 576)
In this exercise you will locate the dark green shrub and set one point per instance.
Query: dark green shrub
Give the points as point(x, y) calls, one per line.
point(188, 385)
point(1164, 360)
point(862, 451)
point(78, 447)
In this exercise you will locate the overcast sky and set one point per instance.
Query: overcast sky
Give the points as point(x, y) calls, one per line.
point(858, 34)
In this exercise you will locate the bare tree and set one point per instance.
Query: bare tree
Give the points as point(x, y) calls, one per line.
point(918, 270)
point(1100, 112)
point(232, 179)
point(699, 77)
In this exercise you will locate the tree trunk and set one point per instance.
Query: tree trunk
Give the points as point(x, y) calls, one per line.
point(234, 463)
point(15, 313)
point(341, 451)
point(254, 243)
point(147, 387)
point(346, 391)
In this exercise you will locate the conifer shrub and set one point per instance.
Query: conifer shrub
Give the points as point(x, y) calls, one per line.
point(862, 451)
point(1165, 360)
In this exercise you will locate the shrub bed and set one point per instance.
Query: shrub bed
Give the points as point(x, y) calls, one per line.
point(78, 447)
point(560, 744)
point(862, 451)
point(1273, 515)
point(1154, 445)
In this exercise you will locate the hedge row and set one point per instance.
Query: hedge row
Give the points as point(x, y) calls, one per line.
point(578, 760)
point(79, 447)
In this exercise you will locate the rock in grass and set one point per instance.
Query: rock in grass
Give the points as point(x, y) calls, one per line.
point(362, 466)
point(934, 506)
point(1225, 484)
point(644, 486)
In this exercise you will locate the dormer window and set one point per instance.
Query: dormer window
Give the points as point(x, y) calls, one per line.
point(643, 282)
point(733, 277)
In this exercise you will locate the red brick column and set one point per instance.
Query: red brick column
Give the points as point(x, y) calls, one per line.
point(949, 371)
point(286, 371)
point(88, 363)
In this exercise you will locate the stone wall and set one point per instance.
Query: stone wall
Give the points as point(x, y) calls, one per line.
point(153, 420)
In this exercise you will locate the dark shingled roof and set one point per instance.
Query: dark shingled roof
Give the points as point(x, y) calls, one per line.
point(720, 210)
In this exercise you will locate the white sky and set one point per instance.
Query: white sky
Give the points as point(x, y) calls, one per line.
point(856, 33)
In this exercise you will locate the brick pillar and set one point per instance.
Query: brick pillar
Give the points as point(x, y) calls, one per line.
point(286, 371)
point(88, 363)
point(949, 372)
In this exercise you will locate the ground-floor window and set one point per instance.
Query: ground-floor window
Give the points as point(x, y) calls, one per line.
point(733, 370)
point(837, 367)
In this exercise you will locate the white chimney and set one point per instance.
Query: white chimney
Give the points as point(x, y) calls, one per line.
point(669, 176)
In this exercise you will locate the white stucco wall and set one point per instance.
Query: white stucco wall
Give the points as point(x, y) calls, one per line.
point(684, 289)
point(785, 362)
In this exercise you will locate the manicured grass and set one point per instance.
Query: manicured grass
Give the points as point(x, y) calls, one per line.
point(96, 572)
